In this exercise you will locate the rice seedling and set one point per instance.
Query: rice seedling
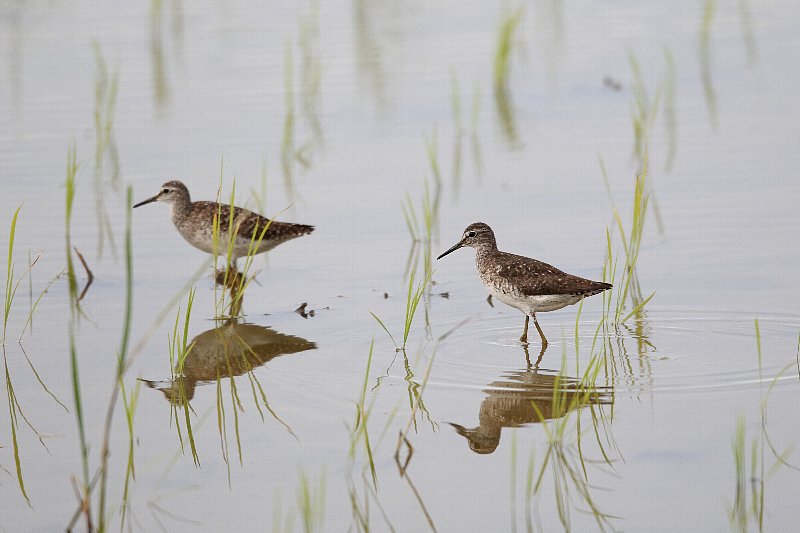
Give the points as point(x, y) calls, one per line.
point(260, 196)
point(122, 356)
point(233, 283)
point(627, 287)
point(84, 488)
point(105, 96)
point(506, 43)
point(424, 233)
point(13, 405)
point(413, 297)
point(704, 50)
point(644, 110)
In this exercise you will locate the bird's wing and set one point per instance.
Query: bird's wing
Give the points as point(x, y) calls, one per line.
point(534, 277)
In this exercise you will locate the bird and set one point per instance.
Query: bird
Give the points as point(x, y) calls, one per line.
point(196, 222)
point(521, 282)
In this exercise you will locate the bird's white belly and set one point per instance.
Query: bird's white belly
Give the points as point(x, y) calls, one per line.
point(533, 304)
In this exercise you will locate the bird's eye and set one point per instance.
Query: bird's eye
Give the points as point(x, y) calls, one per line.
point(164, 190)
point(471, 234)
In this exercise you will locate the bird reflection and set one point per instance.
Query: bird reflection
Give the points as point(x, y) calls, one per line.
point(528, 396)
point(231, 349)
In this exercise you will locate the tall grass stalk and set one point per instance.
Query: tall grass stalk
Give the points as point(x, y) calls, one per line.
point(72, 169)
point(225, 230)
point(122, 355)
point(413, 297)
point(628, 286)
point(11, 287)
point(13, 405)
point(644, 111)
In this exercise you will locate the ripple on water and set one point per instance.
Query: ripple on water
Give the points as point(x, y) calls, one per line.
point(670, 350)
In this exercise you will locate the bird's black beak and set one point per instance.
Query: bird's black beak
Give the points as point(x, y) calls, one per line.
point(148, 201)
point(458, 245)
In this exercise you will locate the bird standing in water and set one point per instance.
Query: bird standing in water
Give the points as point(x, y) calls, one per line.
point(521, 282)
point(195, 221)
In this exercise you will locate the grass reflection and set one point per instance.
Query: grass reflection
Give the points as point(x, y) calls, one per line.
point(704, 49)
point(554, 401)
point(749, 500)
point(217, 356)
point(506, 42)
point(105, 98)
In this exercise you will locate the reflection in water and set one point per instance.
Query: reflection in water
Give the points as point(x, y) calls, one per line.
point(502, 66)
point(705, 61)
point(12, 13)
point(161, 90)
point(105, 103)
point(229, 350)
point(528, 396)
point(377, 30)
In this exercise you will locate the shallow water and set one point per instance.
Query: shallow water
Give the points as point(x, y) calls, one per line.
point(202, 97)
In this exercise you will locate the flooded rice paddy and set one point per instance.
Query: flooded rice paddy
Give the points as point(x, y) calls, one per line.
point(363, 385)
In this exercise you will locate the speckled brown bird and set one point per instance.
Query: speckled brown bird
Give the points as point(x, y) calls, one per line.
point(521, 282)
point(195, 221)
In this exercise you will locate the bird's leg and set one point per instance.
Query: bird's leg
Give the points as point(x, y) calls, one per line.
point(539, 329)
point(524, 337)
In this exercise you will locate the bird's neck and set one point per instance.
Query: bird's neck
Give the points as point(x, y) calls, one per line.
point(181, 208)
point(485, 251)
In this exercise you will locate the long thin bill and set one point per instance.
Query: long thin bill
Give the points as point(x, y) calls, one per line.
point(149, 200)
point(455, 247)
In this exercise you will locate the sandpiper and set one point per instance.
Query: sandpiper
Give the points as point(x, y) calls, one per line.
point(521, 282)
point(195, 221)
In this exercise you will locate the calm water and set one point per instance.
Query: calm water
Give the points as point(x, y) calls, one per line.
point(328, 115)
